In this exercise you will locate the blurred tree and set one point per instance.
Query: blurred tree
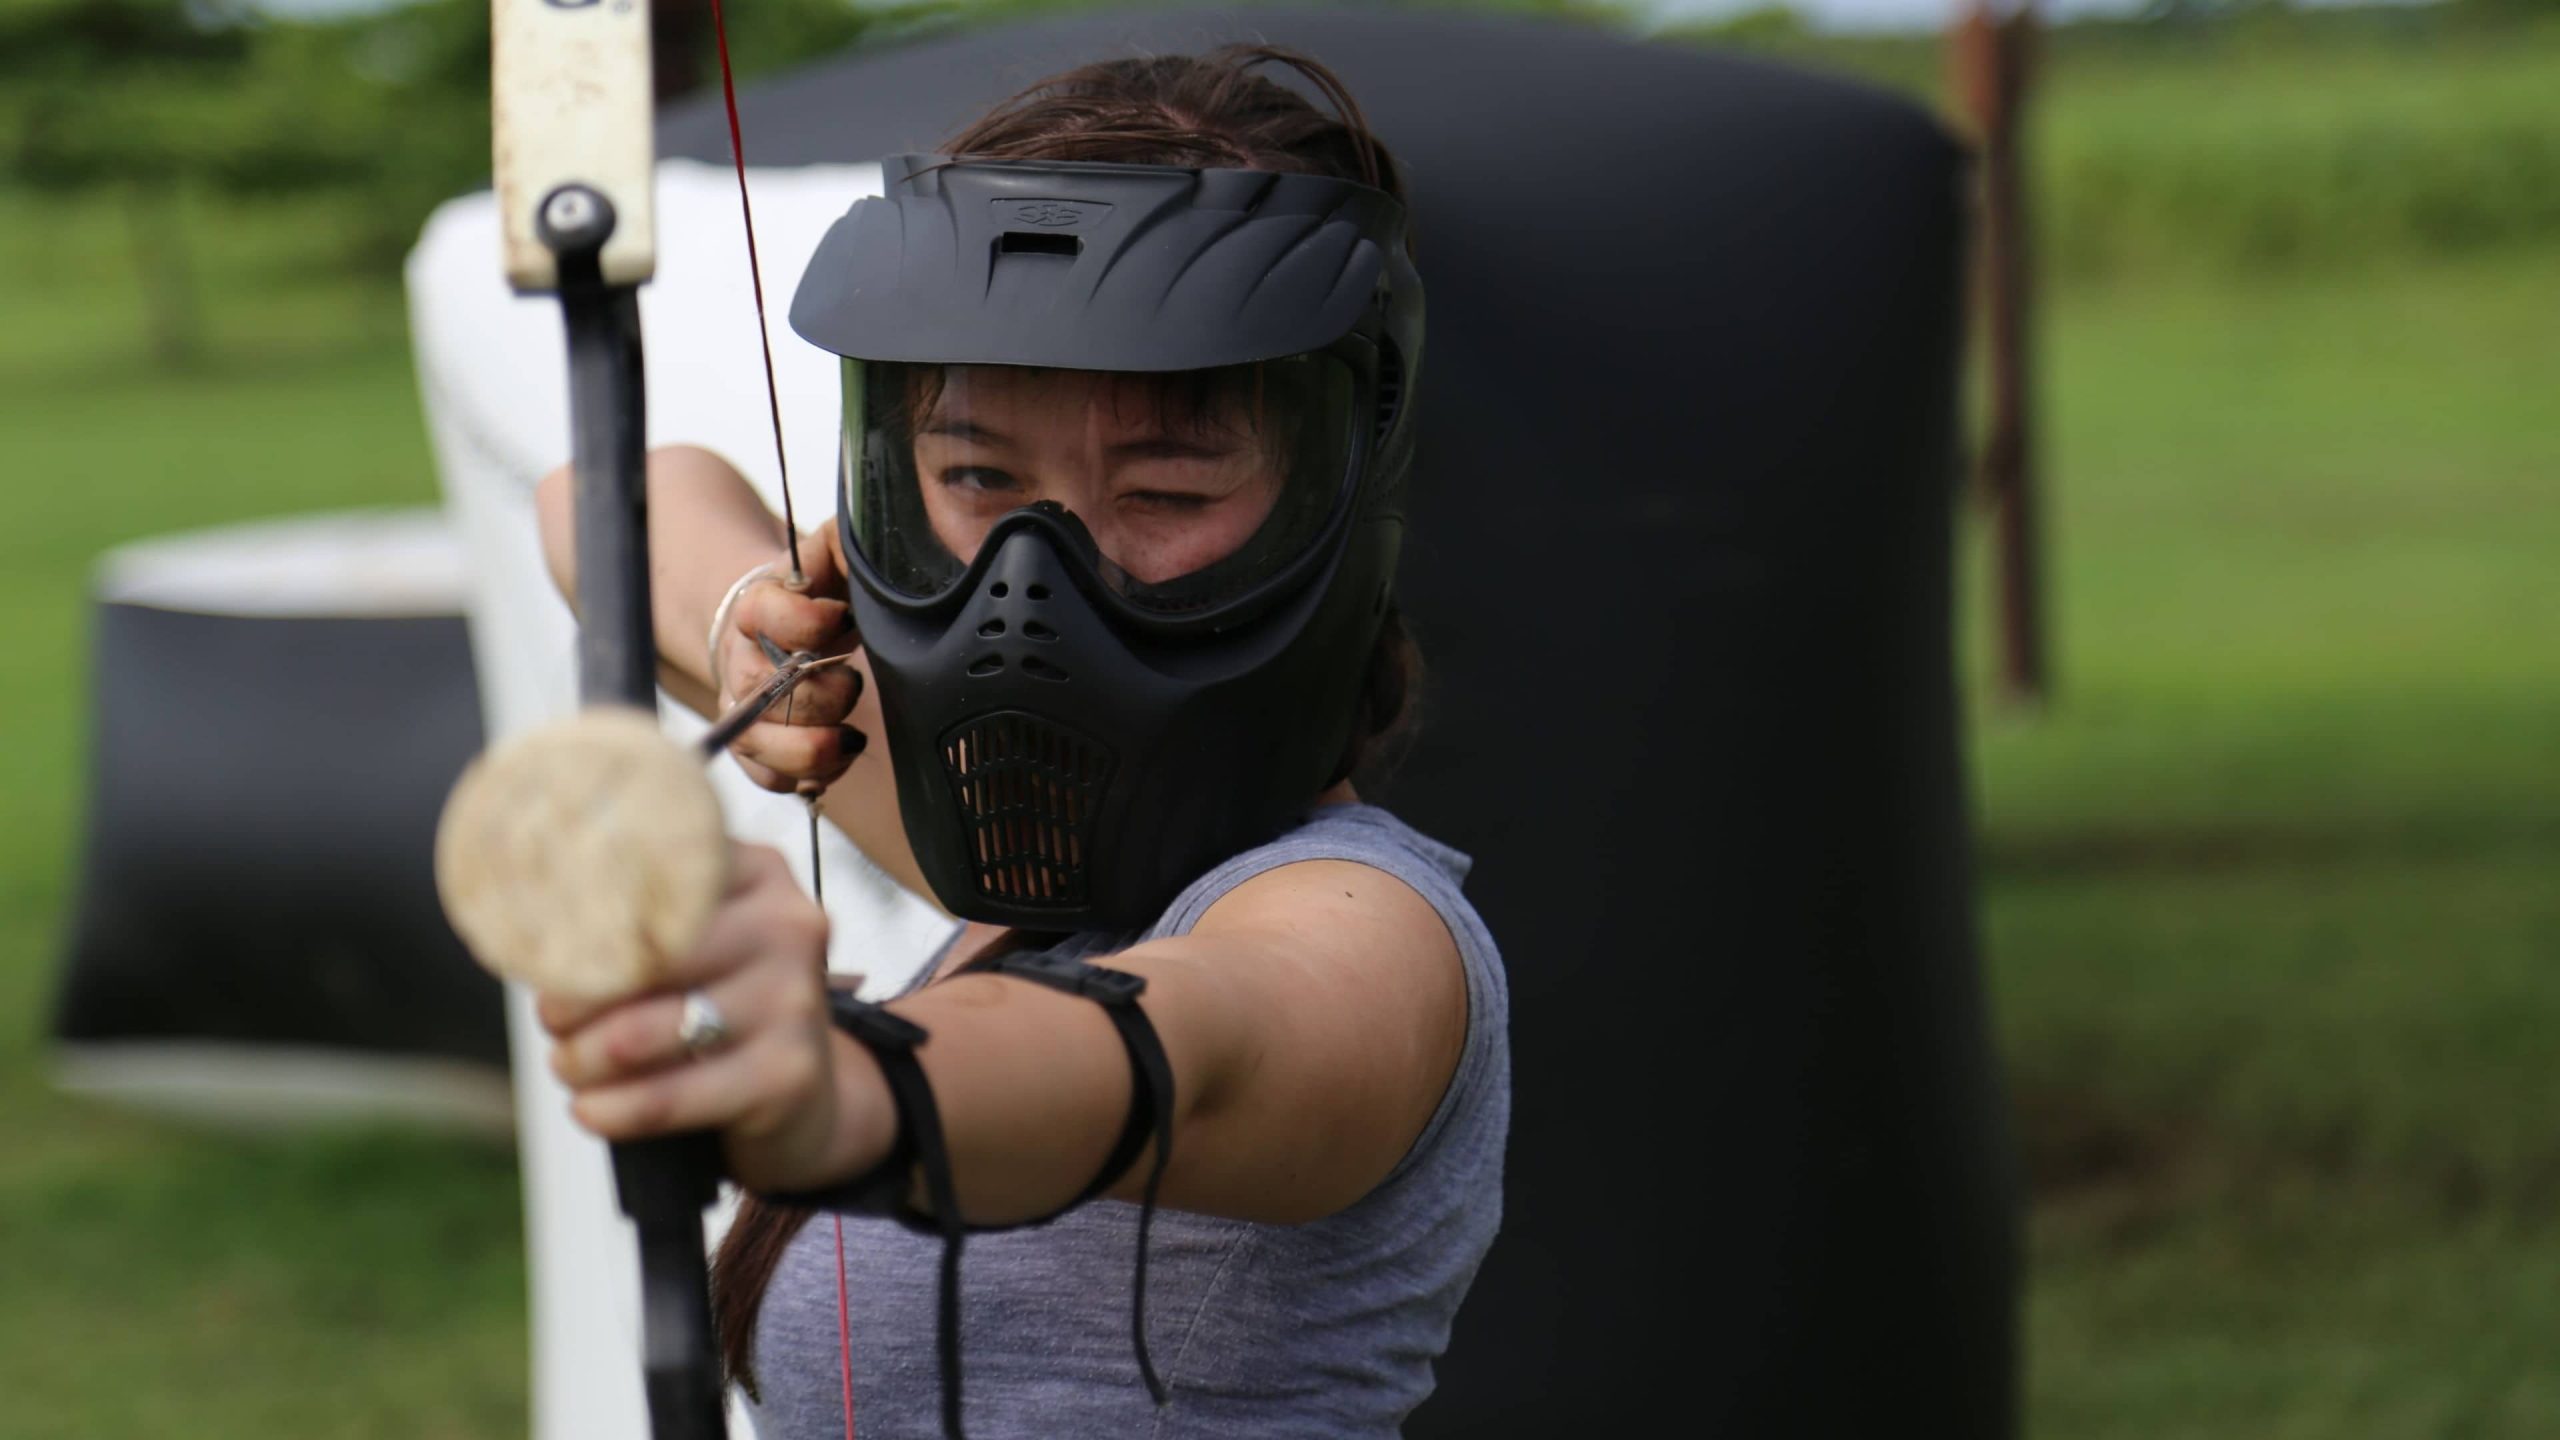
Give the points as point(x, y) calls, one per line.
point(105, 94)
point(1760, 25)
point(2199, 12)
point(2507, 10)
point(156, 101)
point(364, 122)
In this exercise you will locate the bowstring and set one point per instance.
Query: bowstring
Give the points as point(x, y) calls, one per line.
point(799, 581)
point(772, 393)
point(755, 278)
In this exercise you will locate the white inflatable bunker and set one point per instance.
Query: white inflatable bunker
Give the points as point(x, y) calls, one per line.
point(493, 371)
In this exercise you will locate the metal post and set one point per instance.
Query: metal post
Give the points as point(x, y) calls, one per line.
point(1991, 61)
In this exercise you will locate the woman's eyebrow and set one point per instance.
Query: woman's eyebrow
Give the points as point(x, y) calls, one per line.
point(1166, 447)
point(959, 429)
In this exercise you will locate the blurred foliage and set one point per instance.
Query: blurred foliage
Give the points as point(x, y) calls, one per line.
point(356, 125)
point(2268, 895)
point(2244, 167)
point(363, 123)
point(2235, 135)
point(2268, 898)
point(2264, 137)
point(986, 12)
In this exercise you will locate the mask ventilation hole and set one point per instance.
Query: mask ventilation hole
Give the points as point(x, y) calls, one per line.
point(1390, 388)
point(1039, 669)
point(1026, 791)
point(991, 630)
point(1033, 242)
point(986, 665)
point(1033, 630)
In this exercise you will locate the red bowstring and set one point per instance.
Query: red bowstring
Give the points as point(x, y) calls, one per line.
point(791, 527)
point(844, 1329)
point(755, 276)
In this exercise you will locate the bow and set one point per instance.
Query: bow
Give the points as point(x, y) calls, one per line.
point(575, 151)
point(574, 858)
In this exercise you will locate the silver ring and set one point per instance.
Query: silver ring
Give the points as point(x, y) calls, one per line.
point(703, 1026)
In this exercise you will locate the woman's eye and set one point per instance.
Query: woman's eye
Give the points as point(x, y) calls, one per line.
point(981, 478)
point(1172, 501)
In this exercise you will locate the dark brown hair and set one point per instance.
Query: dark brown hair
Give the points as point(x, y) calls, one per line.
point(1209, 110)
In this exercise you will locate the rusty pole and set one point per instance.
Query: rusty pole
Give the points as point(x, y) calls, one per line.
point(1990, 56)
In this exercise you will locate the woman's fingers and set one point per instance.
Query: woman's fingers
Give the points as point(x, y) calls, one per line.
point(794, 619)
point(764, 920)
point(752, 1090)
point(645, 1035)
point(778, 757)
point(823, 696)
point(761, 916)
point(803, 737)
point(760, 964)
point(766, 1084)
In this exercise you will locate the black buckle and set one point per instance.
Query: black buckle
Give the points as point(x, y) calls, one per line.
point(1114, 988)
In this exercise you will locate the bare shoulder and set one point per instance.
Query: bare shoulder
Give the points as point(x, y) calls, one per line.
point(1329, 905)
point(1350, 948)
point(1342, 997)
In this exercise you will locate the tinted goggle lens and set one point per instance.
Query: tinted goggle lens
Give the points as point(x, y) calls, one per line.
point(1196, 486)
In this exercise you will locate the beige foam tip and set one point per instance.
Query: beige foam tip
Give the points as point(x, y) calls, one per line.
point(580, 857)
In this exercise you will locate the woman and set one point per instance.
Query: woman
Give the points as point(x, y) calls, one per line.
point(1126, 426)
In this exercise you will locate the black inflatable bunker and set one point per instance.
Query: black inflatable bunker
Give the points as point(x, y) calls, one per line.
point(1680, 562)
point(279, 711)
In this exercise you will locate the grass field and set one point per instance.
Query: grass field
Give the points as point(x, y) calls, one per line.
point(2271, 896)
point(2270, 893)
point(155, 1282)
point(2276, 137)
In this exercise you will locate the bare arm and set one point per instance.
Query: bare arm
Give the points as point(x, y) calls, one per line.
point(708, 526)
point(1313, 1019)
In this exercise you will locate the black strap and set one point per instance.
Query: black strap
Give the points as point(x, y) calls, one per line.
point(1150, 1102)
point(893, 1041)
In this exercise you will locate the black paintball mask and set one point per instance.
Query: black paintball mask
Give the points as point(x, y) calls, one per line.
point(1121, 479)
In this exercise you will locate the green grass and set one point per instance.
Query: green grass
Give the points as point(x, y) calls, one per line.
point(2279, 139)
point(2269, 891)
point(158, 1282)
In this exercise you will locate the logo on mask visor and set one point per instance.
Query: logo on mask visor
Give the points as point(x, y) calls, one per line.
point(1055, 214)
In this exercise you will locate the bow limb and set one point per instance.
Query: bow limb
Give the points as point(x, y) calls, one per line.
point(574, 144)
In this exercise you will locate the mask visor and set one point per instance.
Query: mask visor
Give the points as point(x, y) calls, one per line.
point(1199, 487)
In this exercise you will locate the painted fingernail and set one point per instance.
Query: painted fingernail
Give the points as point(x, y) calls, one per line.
point(850, 741)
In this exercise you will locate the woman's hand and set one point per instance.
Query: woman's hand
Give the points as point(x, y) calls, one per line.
point(803, 743)
point(795, 1108)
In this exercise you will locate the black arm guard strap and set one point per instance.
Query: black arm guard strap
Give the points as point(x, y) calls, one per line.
point(893, 1041)
point(1150, 1102)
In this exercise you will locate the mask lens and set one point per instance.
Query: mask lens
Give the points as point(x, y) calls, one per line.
point(1197, 486)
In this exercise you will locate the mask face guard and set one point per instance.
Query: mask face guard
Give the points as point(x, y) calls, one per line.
point(1364, 418)
point(1070, 747)
point(1076, 778)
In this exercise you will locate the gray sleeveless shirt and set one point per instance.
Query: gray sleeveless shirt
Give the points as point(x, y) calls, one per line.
point(1326, 1329)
